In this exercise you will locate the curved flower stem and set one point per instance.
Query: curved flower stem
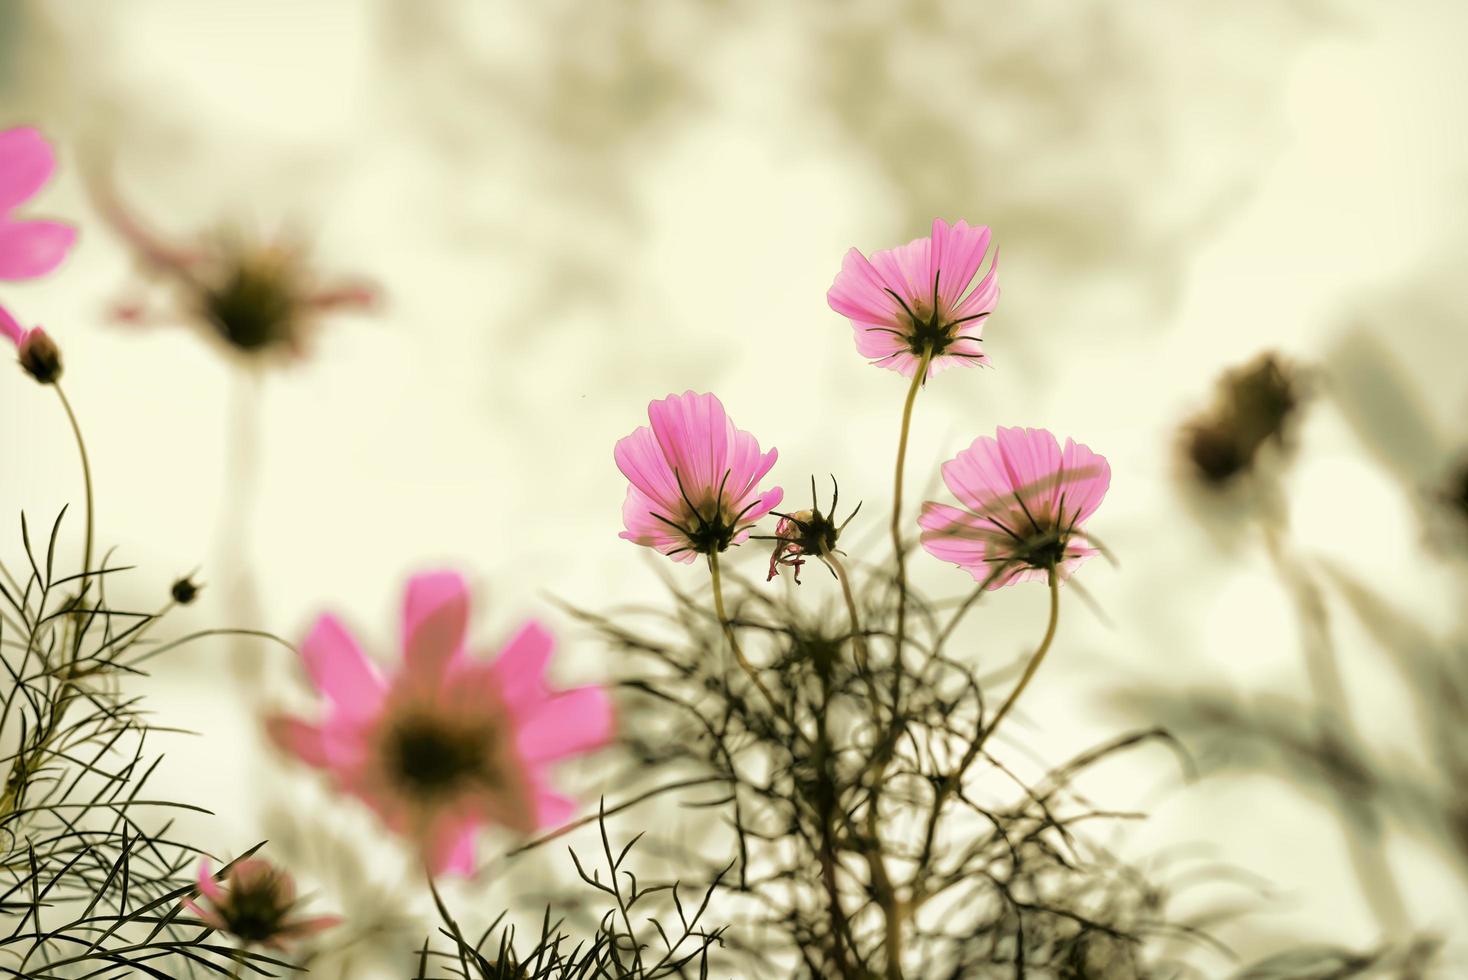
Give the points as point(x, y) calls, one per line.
point(739, 656)
point(81, 446)
point(1030, 669)
point(918, 377)
point(954, 780)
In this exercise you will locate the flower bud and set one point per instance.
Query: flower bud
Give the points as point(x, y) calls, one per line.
point(40, 357)
point(185, 591)
point(1253, 405)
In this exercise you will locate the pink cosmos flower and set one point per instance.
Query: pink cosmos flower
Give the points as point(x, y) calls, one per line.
point(1026, 500)
point(916, 299)
point(255, 905)
point(28, 249)
point(261, 298)
point(449, 742)
point(693, 479)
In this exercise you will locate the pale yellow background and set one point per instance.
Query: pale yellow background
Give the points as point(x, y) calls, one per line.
point(575, 208)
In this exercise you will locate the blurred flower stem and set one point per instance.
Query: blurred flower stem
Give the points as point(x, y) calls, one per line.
point(1379, 887)
point(81, 446)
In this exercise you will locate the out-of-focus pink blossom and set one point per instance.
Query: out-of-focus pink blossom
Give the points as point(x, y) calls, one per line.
point(914, 300)
point(449, 742)
point(694, 479)
point(28, 248)
point(1024, 502)
point(255, 903)
point(260, 298)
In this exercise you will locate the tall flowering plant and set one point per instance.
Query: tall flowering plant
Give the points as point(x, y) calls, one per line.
point(868, 824)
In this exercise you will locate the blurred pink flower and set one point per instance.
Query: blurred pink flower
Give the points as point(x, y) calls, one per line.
point(28, 249)
point(449, 742)
point(1026, 499)
point(915, 299)
point(693, 479)
point(261, 298)
point(254, 904)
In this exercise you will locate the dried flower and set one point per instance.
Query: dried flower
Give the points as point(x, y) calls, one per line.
point(255, 904)
point(1026, 500)
point(910, 302)
point(693, 479)
point(807, 532)
point(259, 298)
point(449, 742)
point(1253, 406)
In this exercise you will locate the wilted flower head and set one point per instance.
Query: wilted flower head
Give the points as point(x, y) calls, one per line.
point(255, 903)
point(807, 532)
point(1025, 498)
point(449, 742)
point(1253, 406)
point(693, 479)
point(258, 297)
point(914, 300)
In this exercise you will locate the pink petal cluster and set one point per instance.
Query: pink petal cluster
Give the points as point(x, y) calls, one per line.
point(1025, 499)
point(255, 904)
point(789, 545)
point(449, 742)
point(694, 479)
point(28, 249)
point(916, 299)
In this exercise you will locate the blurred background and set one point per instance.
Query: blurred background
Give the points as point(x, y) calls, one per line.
point(573, 208)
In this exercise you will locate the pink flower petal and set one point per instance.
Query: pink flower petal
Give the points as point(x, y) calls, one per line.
point(519, 670)
point(435, 618)
point(958, 251)
point(298, 738)
point(641, 461)
point(33, 248)
point(860, 294)
point(11, 327)
point(340, 670)
point(571, 723)
point(305, 928)
point(449, 847)
point(208, 887)
point(209, 917)
point(551, 808)
point(694, 433)
point(26, 163)
point(645, 529)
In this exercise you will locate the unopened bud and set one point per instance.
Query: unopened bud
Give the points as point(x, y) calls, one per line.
point(184, 591)
point(40, 357)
